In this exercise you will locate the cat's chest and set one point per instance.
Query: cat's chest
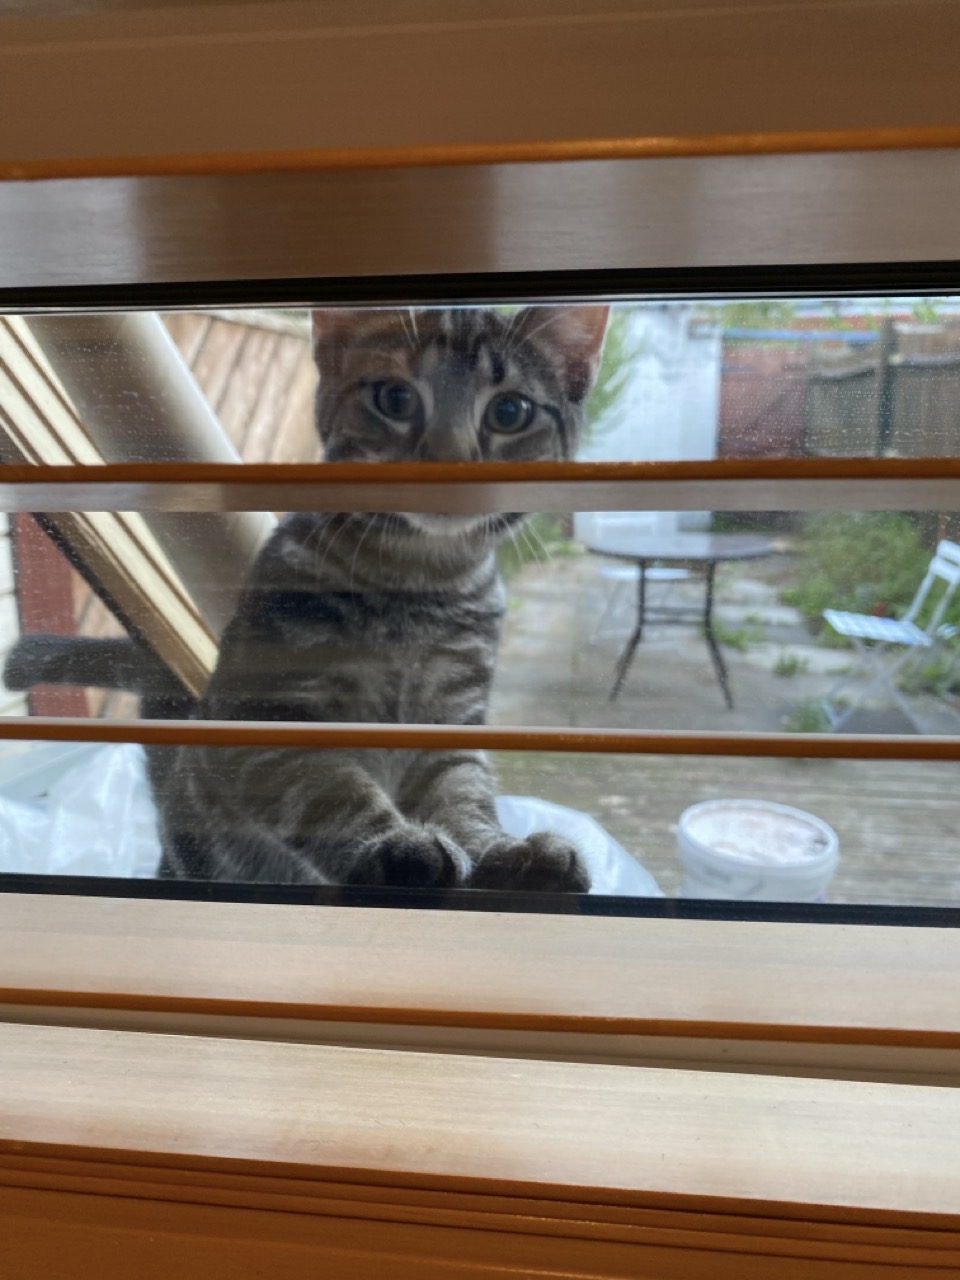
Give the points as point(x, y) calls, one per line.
point(393, 655)
point(372, 621)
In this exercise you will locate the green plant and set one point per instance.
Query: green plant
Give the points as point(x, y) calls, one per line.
point(789, 664)
point(542, 537)
point(807, 717)
point(864, 562)
point(765, 524)
point(834, 318)
point(618, 357)
point(740, 637)
point(751, 313)
point(939, 675)
point(926, 310)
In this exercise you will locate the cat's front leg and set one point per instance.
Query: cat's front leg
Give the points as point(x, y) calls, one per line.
point(455, 791)
point(371, 841)
point(409, 856)
point(294, 817)
point(543, 862)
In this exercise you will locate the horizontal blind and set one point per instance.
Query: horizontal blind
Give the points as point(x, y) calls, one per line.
point(725, 484)
point(247, 733)
point(771, 484)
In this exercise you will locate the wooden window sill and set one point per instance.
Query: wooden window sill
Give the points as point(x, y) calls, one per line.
point(286, 1155)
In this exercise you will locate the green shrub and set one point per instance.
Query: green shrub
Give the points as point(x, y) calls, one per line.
point(789, 664)
point(807, 717)
point(866, 562)
point(740, 637)
point(938, 674)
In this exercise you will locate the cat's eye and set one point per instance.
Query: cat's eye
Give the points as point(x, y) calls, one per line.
point(509, 412)
point(396, 399)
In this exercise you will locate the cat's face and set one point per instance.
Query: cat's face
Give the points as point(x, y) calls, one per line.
point(455, 386)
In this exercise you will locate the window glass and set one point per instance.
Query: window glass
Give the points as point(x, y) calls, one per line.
point(746, 622)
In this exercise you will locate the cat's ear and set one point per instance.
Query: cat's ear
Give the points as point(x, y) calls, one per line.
point(335, 328)
point(575, 333)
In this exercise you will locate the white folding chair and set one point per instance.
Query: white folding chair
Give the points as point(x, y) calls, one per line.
point(885, 644)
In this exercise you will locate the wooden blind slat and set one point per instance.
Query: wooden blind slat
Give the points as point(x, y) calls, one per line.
point(731, 484)
point(444, 473)
point(309, 160)
point(301, 735)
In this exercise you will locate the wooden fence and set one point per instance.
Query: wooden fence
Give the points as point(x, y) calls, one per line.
point(796, 395)
point(899, 396)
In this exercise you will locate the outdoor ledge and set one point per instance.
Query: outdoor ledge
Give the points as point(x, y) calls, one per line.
point(185, 1149)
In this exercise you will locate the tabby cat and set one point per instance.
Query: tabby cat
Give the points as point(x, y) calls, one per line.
point(386, 618)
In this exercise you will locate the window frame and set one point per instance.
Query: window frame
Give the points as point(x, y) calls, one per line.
point(163, 235)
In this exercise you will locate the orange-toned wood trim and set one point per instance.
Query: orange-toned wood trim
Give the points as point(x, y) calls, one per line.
point(726, 483)
point(690, 979)
point(305, 736)
point(432, 474)
point(894, 138)
point(704, 1031)
point(75, 1236)
point(299, 1189)
point(757, 1147)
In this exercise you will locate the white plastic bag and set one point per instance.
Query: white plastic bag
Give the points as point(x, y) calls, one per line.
point(612, 869)
point(83, 810)
point(77, 810)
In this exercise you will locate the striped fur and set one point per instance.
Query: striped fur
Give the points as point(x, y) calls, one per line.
point(384, 617)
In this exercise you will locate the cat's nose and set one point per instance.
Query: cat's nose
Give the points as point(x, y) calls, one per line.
point(449, 445)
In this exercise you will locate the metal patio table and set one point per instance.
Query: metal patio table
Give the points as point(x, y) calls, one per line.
point(698, 549)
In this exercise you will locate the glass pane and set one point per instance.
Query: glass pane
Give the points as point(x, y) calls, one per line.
point(628, 620)
point(862, 831)
point(667, 379)
point(694, 620)
point(647, 827)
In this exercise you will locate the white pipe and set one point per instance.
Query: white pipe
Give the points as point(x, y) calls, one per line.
point(139, 403)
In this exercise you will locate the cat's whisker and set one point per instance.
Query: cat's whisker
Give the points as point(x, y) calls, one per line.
point(393, 525)
point(539, 328)
point(514, 535)
point(530, 546)
point(405, 316)
point(353, 563)
point(328, 544)
point(533, 543)
point(535, 539)
point(384, 536)
point(510, 335)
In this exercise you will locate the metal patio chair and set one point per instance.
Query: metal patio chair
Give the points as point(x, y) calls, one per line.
point(886, 644)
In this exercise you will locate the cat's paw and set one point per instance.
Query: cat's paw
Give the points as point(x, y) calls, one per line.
point(411, 858)
point(543, 862)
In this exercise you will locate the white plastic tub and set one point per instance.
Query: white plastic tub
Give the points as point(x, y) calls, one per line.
point(755, 851)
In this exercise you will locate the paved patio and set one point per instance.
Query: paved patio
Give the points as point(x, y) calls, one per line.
point(897, 822)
